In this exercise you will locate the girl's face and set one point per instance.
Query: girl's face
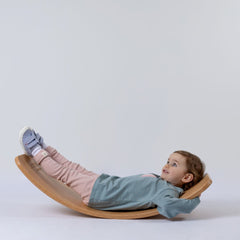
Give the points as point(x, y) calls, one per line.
point(175, 171)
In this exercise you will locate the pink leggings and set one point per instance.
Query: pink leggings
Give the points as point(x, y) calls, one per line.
point(72, 174)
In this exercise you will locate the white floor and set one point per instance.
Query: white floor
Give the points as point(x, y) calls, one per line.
point(26, 213)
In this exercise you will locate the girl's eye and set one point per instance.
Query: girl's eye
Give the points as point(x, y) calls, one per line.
point(174, 165)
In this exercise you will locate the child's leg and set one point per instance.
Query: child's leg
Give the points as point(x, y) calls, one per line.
point(81, 181)
point(54, 154)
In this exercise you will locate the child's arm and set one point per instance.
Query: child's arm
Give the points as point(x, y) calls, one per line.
point(171, 206)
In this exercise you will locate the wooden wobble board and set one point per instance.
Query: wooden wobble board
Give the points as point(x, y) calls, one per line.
point(68, 197)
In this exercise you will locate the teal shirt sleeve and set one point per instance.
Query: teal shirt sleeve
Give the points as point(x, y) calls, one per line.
point(172, 206)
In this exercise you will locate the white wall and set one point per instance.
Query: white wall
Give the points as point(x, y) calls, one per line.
point(119, 85)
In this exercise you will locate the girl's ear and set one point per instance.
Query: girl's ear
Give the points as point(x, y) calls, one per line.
point(188, 177)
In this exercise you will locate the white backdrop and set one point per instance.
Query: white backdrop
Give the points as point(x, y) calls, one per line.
point(119, 85)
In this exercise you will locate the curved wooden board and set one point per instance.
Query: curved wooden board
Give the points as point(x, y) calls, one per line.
point(68, 197)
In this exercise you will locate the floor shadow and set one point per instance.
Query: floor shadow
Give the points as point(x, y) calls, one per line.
point(213, 209)
point(209, 209)
point(67, 211)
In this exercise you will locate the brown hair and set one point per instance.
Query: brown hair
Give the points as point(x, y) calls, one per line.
point(194, 166)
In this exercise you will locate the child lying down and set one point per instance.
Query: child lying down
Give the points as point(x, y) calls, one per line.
point(104, 192)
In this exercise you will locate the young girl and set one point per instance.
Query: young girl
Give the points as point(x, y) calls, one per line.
point(106, 192)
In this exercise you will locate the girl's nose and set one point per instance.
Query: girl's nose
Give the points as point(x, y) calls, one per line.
point(167, 165)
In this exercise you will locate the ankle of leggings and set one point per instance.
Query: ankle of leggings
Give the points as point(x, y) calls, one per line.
point(40, 156)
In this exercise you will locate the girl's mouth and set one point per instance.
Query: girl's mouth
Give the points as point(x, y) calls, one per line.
point(165, 171)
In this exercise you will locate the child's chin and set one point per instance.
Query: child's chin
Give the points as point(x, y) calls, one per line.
point(163, 177)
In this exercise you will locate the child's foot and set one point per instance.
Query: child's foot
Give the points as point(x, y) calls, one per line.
point(40, 140)
point(30, 141)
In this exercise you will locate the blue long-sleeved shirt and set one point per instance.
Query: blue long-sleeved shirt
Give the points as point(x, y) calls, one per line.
point(139, 192)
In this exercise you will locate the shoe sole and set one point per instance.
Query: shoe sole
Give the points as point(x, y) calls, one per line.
point(21, 133)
